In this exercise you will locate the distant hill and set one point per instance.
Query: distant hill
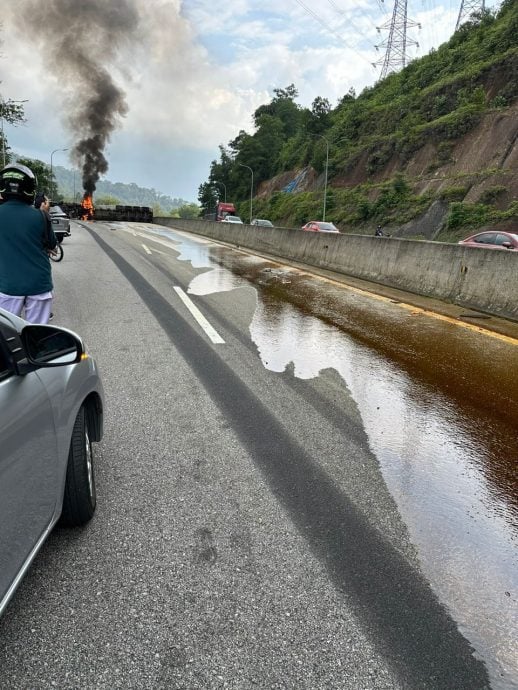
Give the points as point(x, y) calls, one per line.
point(69, 185)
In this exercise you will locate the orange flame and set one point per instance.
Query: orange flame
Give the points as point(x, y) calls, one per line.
point(87, 206)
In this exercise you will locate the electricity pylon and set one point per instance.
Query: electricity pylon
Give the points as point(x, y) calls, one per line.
point(397, 41)
point(467, 8)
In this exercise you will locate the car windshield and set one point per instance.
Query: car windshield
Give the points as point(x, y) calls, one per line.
point(56, 210)
point(326, 226)
point(234, 219)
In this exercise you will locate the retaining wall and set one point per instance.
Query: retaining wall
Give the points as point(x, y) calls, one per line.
point(481, 279)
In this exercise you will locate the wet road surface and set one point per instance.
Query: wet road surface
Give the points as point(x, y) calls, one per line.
point(338, 512)
point(439, 404)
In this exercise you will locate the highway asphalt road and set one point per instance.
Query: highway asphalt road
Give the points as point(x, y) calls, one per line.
point(245, 536)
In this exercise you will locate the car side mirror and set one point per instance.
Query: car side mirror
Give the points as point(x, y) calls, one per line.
point(507, 245)
point(51, 346)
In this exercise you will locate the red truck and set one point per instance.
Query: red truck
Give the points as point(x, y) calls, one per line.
point(223, 210)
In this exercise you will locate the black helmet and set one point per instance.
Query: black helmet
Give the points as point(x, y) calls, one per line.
point(18, 181)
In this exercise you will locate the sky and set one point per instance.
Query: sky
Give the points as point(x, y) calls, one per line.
point(189, 75)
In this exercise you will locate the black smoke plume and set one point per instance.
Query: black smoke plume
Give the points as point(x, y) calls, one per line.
point(83, 43)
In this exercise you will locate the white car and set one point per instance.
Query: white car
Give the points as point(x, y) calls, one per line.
point(51, 409)
point(60, 222)
point(232, 219)
point(263, 222)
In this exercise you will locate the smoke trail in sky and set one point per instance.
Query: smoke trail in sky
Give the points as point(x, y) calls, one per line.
point(82, 44)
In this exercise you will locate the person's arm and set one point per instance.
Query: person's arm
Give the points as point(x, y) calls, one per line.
point(50, 238)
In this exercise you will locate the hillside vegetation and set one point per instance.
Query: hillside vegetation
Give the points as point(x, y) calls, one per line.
point(427, 152)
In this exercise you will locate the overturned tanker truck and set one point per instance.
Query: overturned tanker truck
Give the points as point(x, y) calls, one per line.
point(142, 214)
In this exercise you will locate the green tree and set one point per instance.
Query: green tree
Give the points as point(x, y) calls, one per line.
point(320, 107)
point(317, 120)
point(283, 107)
point(13, 113)
point(42, 172)
point(262, 150)
point(189, 211)
point(208, 197)
point(220, 172)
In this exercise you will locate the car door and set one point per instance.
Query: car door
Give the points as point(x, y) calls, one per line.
point(28, 462)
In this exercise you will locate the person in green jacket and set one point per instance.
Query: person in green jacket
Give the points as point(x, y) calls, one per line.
point(25, 238)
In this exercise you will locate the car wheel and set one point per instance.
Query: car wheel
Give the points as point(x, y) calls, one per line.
point(79, 499)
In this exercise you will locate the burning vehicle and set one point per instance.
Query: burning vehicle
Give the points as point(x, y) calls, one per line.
point(87, 207)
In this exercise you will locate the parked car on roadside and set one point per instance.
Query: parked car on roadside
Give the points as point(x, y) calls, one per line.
point(492, 239)
point(232, 219)
point(60, 222)
point(320, 226)
point(51, 410)
point(263, 222)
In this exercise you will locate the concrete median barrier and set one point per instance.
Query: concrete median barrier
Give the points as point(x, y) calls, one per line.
point(481, 279)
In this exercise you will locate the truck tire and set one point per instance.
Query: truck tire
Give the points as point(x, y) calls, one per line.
point(79, 498)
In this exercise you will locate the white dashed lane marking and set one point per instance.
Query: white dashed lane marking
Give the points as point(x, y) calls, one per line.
point(209, 330)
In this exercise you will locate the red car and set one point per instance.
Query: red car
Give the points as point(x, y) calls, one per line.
point(492, 239)
point(320, 226)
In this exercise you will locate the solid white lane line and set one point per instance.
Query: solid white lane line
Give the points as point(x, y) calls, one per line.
point(209, 330)
point(147, 249)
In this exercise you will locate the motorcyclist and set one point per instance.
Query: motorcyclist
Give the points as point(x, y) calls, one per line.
point(25, 272)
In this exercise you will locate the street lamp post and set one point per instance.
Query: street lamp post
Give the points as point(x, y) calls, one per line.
point(325, 176)
point(251, 187)
point(52, 186)
point(3, 142)
point(224, 187)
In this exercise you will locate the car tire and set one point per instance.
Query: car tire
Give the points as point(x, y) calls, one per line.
point(79, 498)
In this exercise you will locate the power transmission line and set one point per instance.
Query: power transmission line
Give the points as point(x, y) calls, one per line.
point(397, 42)
point(319, 20)
point(329, 28)
point(348, 18)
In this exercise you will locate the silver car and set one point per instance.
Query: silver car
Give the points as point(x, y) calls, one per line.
point(60, 222)
point(51, 409)
point(263, 222)
point(232, 219)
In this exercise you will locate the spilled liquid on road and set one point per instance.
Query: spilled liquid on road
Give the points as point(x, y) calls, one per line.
point(440, 407)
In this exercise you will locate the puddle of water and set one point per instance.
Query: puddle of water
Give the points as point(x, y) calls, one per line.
point(439, 407)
